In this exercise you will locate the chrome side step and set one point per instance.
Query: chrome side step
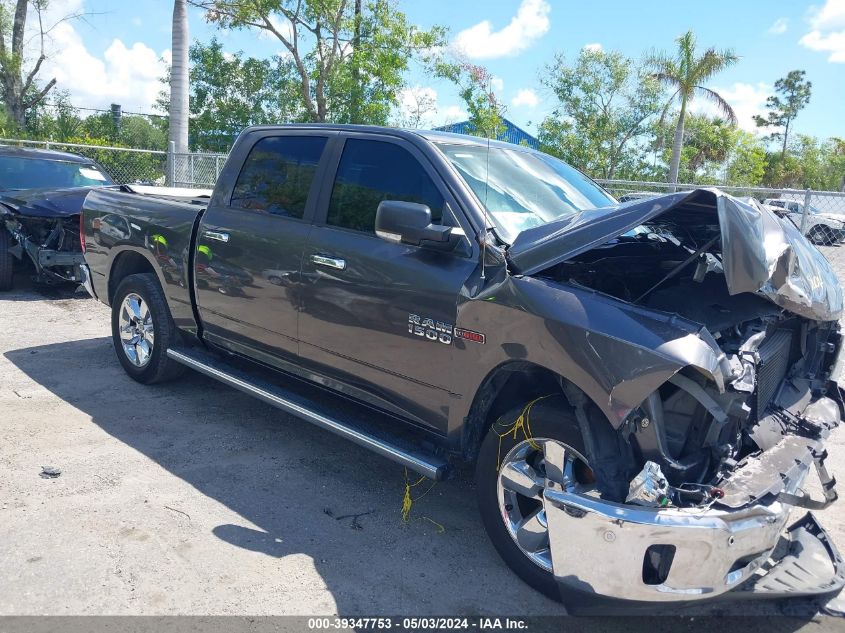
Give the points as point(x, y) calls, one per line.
point(306, 409)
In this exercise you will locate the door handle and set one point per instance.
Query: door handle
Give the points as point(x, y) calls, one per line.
point(331, 262)
point(217, 235)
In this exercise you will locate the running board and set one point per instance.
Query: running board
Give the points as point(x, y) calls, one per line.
point(308, 410)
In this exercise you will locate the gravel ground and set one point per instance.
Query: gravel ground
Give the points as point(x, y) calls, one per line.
point(191, 498)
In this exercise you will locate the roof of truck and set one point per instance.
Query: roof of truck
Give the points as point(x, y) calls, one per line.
point(435, 136)
point(46, 154)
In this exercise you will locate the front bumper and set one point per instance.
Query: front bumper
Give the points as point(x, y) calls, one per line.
point(649, 555)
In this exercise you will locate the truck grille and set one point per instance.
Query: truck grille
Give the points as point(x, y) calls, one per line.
point(774, 363)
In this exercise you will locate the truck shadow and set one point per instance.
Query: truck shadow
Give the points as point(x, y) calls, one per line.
point(301, 490)
point(25, 289)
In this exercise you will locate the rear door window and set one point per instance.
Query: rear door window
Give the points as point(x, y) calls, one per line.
point(277, 175)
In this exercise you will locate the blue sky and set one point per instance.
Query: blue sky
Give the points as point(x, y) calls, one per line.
point(113, 55)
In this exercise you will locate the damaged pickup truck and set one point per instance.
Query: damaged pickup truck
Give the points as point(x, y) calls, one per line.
point(643, 388)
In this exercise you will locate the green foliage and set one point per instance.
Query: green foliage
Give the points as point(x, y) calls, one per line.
point(230, 92)
point(747, 158)
point(475, 87)
point(685, 73)
point(795, 91)
point(347, 65)
point(605, 104)
point(808, 163)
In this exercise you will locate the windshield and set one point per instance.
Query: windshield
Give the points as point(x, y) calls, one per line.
point(524, 188)
point(39, 173)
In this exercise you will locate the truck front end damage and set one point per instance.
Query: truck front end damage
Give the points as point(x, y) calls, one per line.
point(44, 226)
point(715, 460)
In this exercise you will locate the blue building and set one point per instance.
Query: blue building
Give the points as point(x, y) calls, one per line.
point(509, 132)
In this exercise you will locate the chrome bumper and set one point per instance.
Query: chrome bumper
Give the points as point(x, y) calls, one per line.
point(85, 280)
point(604, 549)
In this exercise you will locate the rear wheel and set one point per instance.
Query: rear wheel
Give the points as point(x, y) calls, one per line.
point(529, 447)
point(7, 260)
point(143, 330)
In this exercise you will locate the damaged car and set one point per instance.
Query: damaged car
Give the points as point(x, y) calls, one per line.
point(643, 388)
point(41, 194)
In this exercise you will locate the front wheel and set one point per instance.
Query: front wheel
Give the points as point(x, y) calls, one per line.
point(526, 450)
point(143, 330)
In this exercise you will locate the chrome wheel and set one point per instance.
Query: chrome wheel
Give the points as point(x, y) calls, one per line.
point(526, 472)
point(137, 331)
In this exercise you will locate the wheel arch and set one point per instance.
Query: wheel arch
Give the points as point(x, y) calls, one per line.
point(513, 383)
point(127, 262)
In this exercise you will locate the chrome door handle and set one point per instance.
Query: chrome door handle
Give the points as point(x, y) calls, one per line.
point(216, 235)
point(331, 262)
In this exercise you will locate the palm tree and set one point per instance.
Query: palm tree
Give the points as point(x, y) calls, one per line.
point(685, 73)
point(178, 132)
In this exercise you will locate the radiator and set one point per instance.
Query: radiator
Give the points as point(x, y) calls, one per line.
point(774, 363)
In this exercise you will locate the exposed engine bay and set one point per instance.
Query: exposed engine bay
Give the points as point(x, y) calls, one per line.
point(51, 244)
point(690, 442)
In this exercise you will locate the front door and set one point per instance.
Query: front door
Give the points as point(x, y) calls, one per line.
point(377, 314)
point(250, 246)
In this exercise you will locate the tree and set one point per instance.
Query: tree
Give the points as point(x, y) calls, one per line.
point(416, 107)
point(782, 111)
point(475, 87)
point(178, 131)
point(349, 59)
point(747, 160)
point(19, 86)
point(230, 92)
point(685, 73)
point(604, 107)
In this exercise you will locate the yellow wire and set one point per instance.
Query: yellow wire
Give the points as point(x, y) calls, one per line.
point(522, 423)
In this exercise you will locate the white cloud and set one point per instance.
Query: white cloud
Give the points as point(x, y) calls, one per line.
point(525, 97)
point(828, 17)
point(122, 73)
point(779, 26)
point(421, 102)
point(745, 99)
point(595, 47)
point(451, 114)
point(827, 32)
point(497, 83)
point(530, 23)
point(128, 75)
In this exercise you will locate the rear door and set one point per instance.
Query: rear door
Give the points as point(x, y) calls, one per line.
point(251, 241)
point(366, 301)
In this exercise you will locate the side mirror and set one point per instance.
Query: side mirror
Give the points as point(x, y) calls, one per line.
point(410, 223)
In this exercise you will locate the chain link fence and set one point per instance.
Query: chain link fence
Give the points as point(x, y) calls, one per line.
point(196, 170)
point(142, 166)
point(820, 215)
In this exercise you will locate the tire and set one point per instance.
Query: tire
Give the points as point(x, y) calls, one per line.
point(153, 366)
point(551, 418)
point(817, 235)
point(7, 260)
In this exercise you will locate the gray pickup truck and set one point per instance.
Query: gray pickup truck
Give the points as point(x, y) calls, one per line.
point(643, 387)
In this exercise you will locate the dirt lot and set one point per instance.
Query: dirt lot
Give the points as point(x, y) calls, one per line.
point(191, 498)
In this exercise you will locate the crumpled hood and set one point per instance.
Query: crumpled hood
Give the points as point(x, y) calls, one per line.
point(760, 252)
point(46, 203)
